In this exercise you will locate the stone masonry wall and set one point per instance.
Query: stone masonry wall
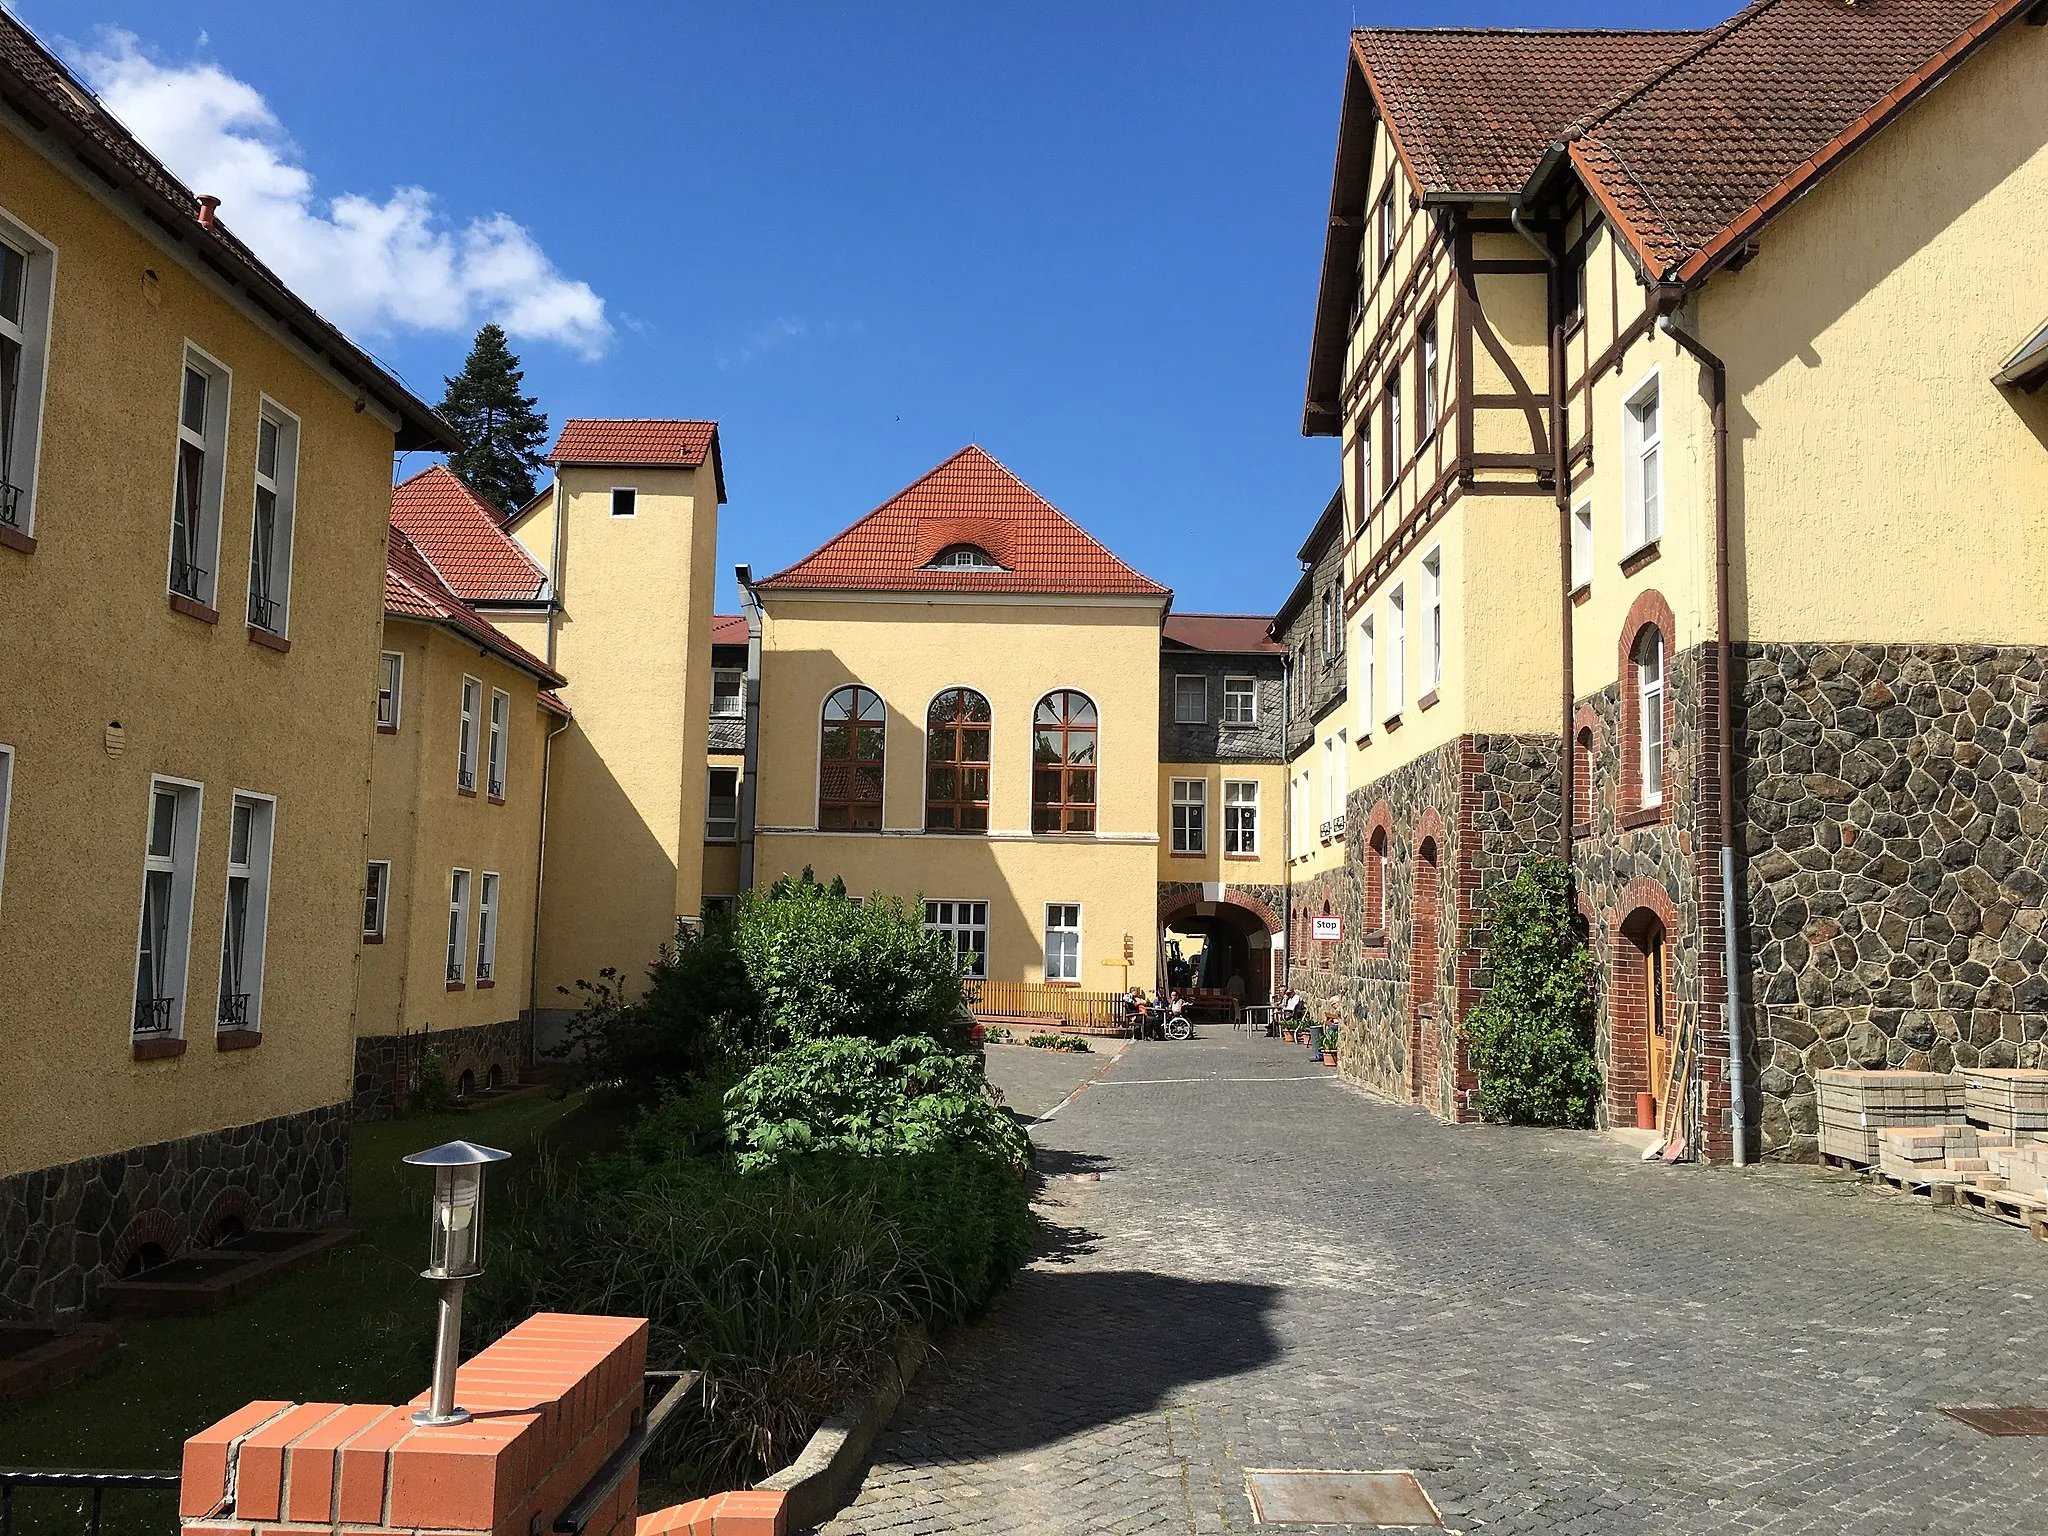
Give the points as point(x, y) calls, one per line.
point(64, 1230)
point(1896, 838)
point(383, 1062)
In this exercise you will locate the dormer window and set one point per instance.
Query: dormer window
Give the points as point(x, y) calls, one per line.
point(963, 557)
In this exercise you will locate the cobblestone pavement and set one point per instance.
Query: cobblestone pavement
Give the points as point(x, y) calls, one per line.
point(1276, 1271)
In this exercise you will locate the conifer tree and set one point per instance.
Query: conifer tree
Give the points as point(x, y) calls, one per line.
point(501, 431)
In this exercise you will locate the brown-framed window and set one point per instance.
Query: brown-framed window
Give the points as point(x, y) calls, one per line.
point(1425, 382)
point(956, 762)
point(1063, 763)
point(851, 742)
point(1392, 472)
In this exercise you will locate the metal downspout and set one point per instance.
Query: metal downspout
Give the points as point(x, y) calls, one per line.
point(1287, 805)
point(540, 856)
point(1717, 373)
point(750, 758)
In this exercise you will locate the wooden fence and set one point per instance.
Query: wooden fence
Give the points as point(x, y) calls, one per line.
point(1035, 1000)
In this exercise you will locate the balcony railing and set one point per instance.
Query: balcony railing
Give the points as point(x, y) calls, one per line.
point(455, 970)
point(10, 504)
point(153, 1015)
point(483, 970)
point(265, 612)
point(465, 778)
point(497, 788)
point(234, 1010)
point(1337, 826)
point(187, 578)
point(1326, 831)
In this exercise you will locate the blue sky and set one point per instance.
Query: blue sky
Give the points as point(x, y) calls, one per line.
point(1084, 235)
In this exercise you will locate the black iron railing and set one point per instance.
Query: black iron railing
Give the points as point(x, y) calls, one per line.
point(264, 612)
point(97, 1484)
point(455, 970)
point(483, 970)
point(153, 1015)
point(497, 789)
point(234, 1010)
point(187, 578)
point(10, 504)
point(605, 1481)
point(466, 777)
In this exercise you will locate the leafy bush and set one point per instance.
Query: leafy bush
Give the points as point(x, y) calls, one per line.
point(853, 1095)
point(1531, 1037)
point(432, 1092)
point(786, 1288)
point(1057, 1043)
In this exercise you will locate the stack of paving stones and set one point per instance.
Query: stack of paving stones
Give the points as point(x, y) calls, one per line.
point(2012, 1102)
point(1856, 1105)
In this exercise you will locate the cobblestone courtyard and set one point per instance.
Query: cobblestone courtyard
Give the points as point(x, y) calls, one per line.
point(1276, 1271)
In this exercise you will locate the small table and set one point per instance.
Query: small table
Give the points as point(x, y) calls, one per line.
point(1264, 1021)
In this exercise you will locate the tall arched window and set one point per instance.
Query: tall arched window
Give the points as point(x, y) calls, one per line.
point(1063, 763)
point(850, 745)
point(956, 762)
point(1650, 715)
point(1376, 884)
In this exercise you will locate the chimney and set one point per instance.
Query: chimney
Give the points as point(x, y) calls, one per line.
point(207, 205)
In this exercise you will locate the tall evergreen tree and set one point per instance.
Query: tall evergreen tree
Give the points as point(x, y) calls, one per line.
point(501, 431)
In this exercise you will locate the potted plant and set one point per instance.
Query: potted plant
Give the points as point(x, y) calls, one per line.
point(1329, 1044)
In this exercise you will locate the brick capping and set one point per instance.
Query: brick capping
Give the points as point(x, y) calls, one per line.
point(1648, 816)
point(193, 610)
point(158, 1049)
point(237, 1039)
point(467, 794)
point(1428, 700)
point(1392, 722)
point(1630, 564)
point(14, 538)
point(269, 639)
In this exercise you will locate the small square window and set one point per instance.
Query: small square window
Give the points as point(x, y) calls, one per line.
point(625, 501)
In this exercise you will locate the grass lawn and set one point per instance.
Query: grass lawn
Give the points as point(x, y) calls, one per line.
point(354, 1327)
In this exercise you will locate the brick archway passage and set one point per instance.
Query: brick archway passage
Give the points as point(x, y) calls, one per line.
point(1423, 1024)
point(1644, 905)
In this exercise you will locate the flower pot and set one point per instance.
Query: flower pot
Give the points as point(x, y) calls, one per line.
point(1646, 1111)
point(1329, 1058)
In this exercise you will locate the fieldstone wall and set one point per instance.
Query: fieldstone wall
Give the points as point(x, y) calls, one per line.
point(1896, 837)
point(1611, 863)
point(385, 1063)
point(65, 1230)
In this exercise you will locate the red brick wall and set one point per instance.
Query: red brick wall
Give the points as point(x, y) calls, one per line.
point(1649, 611)
point(1644, 910)
point(1422, 962)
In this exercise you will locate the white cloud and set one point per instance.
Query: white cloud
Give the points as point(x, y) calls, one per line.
point(372, 267)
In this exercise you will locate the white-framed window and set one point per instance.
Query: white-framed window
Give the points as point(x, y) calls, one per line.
point(1368, 660)
point(625, 501)
point(465, 742)
point(1330, 800)
point(722, 806)
point(458, 924)
point(486, 926)
point(1190, 699)
point(728, 693)
point(1393, 415)
point(1642, 430)
point(1433, 620)
point(1425, 382)
point(390, 689)
point(6, 799)
point(1240, 701)
point(1387, 232)
point(1062, 941)
point(28, 273)
point(376, 897)
point(964, 557)
point(1340, 777)
point(1582, 545)
point(246, 921)
point(164, 941)
point(1190, 815)
point(1241, 816)
point(501, 736)
point(964, 925)
point(1650, 713)
point(1397, 651)
point(203, 388)
point(1326, 635)
point(270, 534)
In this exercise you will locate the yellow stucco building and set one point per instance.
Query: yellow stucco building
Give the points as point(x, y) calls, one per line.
point(197, 477)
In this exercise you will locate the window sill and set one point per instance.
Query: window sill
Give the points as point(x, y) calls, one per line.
point(495, 799)
point(1392, 722)
point(1648, 816)
point(1581, 593)
point(732, 842)
point(268, 640)
point(1364, 741)
point(192, 609)
point(14, 538)
point(237, 1039)
point(456, 986)
point(1632, 563)
point(467, 794)
point(387, 730)
point(158, 1050)
point(1428, 700)
point(485, 986)
point(1242, 858)
point(1178, 721)
point(1198, 854)
point(1049, 982)
point(373, 938)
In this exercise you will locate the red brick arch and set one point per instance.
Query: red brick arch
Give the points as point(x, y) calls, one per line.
point(229, 1206)
point(1648, 611)
point(1171, 907)
point(1628, 1019)
point(1374, 847)
point(1425, 942)
point(1585, 754)
point(151, 1226)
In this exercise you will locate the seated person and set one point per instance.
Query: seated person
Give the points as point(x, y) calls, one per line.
point(1293, 1005)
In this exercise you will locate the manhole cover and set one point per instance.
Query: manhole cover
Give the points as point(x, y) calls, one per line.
point(1388, 1499)
point(2003, 1421)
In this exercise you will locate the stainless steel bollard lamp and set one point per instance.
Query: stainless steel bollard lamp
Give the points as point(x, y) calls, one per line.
point(454, 1253)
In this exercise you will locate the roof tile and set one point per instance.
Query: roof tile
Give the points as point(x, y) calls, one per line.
point(970, 498)
point(1236, 634)
point(635, 441)
point(459, 532)
point(413, 589)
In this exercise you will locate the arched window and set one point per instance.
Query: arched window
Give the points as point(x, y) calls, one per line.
point(1376, 884)
point(1649, 683)
point(850, 744)
point(963, 557)
point(1063, 763)
point(956, 762)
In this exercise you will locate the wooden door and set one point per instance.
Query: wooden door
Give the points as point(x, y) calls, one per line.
point(1654, 954)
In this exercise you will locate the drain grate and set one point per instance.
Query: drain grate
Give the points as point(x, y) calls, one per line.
point(1387, 1500)
point(2003, 1421)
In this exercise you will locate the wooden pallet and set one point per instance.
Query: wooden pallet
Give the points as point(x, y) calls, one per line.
point(1846, 1164)
point(1940, 1188)
point(2007, 1205)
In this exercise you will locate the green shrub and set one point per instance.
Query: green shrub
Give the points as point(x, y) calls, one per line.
point(1531, 1037)
point(432, 1092)
point(852, 1095)
point(1057, 1043)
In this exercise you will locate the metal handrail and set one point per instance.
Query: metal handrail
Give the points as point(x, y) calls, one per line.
point(234, 1010)
point(153, 1015)
point(186, 577)
point(465, 778)
point(580, 1510)
point(65, 1477)
point(263, 611)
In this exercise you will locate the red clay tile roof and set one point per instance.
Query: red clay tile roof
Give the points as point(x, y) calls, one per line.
point(728, 629)
point(1471, 110)
point(458, 531)
point(969, 499)
point(1239, 634)
point(638, 442)
point(71, 116)
point(552, 702)
point(1694, 160)
point(413, 589)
